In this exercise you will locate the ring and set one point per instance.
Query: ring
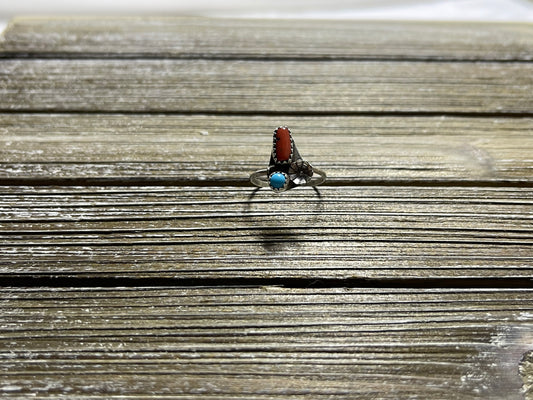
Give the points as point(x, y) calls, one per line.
point(287, 169)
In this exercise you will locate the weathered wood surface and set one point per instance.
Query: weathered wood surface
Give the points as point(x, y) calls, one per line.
point(353, 232)
point(206, 149)
point(125, 151)
point(242, 86)
point(265, 39)
point(256, 343)
point(280, 80)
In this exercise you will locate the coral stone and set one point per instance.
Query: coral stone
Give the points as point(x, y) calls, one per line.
point(277, 180)
point(283, 144)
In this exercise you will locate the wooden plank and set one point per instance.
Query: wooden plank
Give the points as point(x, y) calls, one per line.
point(415, 197)
point(251, 87)
point(254, 38)
point(256, 343)
point(215, 149)
point(398, 233)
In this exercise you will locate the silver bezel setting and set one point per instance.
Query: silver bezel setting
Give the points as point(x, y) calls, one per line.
point(274, 153)
point(285, 185)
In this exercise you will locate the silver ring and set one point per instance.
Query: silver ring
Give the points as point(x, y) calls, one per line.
point(261, 178)
point(287, 169)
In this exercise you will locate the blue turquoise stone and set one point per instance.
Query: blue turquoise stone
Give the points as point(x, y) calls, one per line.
point(277, 180)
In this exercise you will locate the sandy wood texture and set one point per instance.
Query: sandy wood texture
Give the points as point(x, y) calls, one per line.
point(221, 149)
point(265, 39)
point(125, 151)
point(399, 233)
point(255, 87)
point(257, 343)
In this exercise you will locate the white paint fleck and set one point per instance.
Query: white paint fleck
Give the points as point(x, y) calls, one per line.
point(10, 388)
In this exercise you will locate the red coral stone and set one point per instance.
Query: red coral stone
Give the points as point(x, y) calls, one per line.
point(283, 144)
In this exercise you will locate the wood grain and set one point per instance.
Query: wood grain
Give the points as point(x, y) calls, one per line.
point(84, 37)
point(216, 149)
point(396, 233)
point(125, 151)
point(255, 87)
point(256, 343)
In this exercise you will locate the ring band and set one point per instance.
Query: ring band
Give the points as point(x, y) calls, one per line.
point(260, 178)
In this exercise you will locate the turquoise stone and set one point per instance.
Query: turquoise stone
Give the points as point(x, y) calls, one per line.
point(277, 180)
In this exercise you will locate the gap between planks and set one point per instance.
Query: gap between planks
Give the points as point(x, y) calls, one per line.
point(45, 281)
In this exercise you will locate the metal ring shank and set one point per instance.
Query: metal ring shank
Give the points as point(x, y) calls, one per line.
point(260, 178)
point(316, 180)
point(256, 180)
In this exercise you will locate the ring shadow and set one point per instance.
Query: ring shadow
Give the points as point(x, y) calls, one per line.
point(275, 240)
